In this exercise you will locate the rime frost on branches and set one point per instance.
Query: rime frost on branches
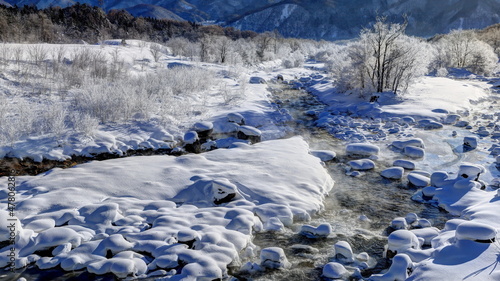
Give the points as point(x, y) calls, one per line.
point(383, 59)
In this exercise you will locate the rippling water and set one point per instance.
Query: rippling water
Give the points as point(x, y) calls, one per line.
point(352, 198)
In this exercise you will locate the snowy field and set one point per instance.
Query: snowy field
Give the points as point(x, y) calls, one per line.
point(193, 217)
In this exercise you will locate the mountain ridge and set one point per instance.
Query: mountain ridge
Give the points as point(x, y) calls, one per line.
point(314, 19)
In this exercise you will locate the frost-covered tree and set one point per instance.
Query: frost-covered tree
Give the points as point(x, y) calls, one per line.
point(383, 59)
point(156, 51)
point(462, 49)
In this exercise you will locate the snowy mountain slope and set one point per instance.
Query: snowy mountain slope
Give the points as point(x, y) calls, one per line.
point(2, 2)
point(325, 19)
point(152, 11)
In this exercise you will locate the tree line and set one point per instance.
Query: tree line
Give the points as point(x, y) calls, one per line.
point(29, 24)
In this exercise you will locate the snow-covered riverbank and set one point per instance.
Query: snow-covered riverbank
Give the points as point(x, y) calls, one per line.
point(194, 216)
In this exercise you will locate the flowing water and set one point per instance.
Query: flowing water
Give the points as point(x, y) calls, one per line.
point(359, 209)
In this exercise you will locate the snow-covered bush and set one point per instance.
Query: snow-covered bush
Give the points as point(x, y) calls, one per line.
point(462, 49)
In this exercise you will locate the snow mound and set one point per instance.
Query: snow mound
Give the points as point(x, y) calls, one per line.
point(196, 211)
point(475, 231)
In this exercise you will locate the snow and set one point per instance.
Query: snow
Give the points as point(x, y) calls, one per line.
point(420, 101)
point(451, 97)
point(475, 231)
point(157, 126)
point(123, 205)
point(145, 216)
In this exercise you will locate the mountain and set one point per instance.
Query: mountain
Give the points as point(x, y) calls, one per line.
point(2, 2)
point(152, 11)
point(317, 19)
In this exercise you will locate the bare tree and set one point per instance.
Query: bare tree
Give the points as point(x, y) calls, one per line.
point(381, 38)
point(37, 53)
point(222, 45)
point(264, 43)
point(205, 44)
point(156, 51)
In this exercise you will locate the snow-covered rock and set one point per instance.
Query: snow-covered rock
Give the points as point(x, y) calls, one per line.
point(400, 241)
point(406, 164)
point(236, 118)
point(203, 126)
point(470, 142)
point(190, 137)
point(418, 180)
point(394, 173)
point(399, 223)
point(257, 80)
point(343, 252)
point(451, 119)
point(414, 152)
point(423, 223)
point(439, 179)
point(462, 124)
point(429, 124)
point(400, 268)
point(246, 132)
point(426, 233)
point(470, 171)
point(334, 270)
point(274, 258)
point(321, 231)
point(362, 149)
point(411, 218)
point(416, 142)
point(361, 164)
point(324, 155)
